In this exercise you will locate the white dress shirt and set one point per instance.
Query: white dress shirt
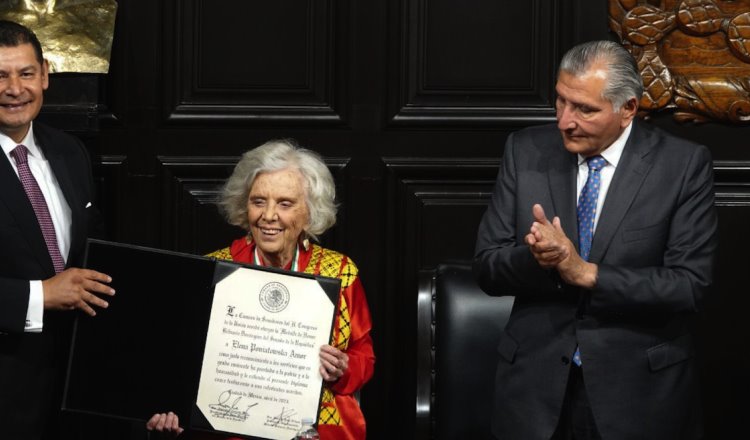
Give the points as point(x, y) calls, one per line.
point(612, 155)
point(59, 211)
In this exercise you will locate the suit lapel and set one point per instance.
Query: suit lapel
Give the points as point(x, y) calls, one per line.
point(19, 206)
point(562, 187)
point(633, 168)
point(60, 168)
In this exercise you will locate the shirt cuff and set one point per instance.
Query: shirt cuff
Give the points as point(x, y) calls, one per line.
point(35, 312)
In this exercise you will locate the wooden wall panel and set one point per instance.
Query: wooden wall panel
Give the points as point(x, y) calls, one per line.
point(190, 189)
point(721, 326)
point(722, 330)
point(441, 203)
point(111, 181)
point(252, 62)
point(475, 62)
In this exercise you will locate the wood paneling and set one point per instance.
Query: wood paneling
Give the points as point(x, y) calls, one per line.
point(111, 181)
point(456, 65)
point(253, 62)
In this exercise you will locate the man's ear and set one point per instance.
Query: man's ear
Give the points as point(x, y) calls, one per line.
point(628, 111)
point(45, 74)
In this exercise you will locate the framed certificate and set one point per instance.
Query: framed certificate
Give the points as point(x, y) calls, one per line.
point(228, 347)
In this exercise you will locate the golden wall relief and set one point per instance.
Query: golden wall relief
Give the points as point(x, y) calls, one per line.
point(694, 55)
point(76, 35)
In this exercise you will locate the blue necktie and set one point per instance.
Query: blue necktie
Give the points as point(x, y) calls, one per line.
point(586, 213)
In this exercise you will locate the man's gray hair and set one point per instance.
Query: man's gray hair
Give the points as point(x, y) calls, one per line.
point(623, 80)
point(276, 155)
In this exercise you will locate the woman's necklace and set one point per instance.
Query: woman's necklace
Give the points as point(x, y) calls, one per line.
point(295, 259)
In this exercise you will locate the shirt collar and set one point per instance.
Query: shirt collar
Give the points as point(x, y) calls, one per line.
point(29, 142)
point(613, 153)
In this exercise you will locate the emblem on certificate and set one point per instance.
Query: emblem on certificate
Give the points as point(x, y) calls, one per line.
point(274, 297)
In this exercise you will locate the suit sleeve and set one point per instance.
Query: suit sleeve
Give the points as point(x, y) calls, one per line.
point(679, 284)
point(14, 301)
point(503, 263)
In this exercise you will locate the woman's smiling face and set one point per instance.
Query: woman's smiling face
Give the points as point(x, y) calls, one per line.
point(278, 214)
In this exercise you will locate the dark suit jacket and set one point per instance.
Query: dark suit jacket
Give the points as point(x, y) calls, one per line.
point(31, 364)
point(654, 246)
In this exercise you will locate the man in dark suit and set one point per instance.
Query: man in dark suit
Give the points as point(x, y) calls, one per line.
point(46, 212)
point(598, 343)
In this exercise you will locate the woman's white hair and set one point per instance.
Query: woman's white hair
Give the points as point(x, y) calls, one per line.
point(275, 155)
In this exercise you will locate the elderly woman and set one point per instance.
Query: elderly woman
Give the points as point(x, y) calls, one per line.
point(284, 196)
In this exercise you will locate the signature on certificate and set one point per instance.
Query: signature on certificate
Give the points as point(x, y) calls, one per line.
point(230, 407)
point(283, 420)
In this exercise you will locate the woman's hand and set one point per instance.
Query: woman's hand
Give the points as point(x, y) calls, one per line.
point(168, 422)
point(333, 363)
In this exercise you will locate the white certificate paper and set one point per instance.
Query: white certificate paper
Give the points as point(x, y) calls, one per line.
point(260, 375)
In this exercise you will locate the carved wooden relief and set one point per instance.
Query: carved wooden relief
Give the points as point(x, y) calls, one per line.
point(694, 55)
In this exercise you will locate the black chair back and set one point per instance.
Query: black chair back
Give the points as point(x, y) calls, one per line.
point(459, 329)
